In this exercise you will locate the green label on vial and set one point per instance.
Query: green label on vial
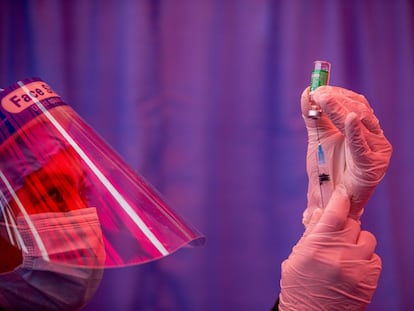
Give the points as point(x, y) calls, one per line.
point(319, 77)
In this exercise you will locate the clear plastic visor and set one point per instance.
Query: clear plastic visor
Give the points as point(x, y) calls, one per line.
point(68, 198)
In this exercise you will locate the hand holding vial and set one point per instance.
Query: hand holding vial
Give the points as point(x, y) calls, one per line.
point(356, 151)
point(334, 265)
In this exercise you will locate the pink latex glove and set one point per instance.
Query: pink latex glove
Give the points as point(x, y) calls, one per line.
point(333, 266)
point(356, 150)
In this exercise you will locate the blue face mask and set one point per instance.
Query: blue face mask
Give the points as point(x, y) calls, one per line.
point(40, 282)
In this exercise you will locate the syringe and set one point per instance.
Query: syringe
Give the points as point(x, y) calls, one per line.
point(325, 183)
point(320, 76)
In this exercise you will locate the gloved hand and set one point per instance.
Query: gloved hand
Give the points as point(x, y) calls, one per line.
point(356, 150)
point(333, 266)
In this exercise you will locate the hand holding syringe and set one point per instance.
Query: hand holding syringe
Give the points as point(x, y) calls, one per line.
point(346, 144)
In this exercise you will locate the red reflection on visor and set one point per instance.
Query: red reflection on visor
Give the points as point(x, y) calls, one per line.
point(59, 186)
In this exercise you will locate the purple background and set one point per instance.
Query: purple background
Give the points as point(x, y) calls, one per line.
point(202, 98)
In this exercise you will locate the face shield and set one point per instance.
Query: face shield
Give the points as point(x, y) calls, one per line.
point(55, 169)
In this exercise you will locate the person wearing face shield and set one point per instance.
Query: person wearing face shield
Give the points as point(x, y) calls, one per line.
point(334, 266)
point(70, 207)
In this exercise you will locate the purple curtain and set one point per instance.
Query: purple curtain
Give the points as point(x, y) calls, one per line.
point(202, 99)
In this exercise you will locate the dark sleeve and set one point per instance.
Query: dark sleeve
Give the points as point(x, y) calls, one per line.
point(276, 306)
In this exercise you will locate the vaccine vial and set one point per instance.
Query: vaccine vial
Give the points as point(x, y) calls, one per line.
point(320, 76)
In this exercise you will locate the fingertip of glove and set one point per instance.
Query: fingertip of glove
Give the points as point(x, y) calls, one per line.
point(340, 190)
point(316, 215)
point(305, 93)
point(352, 121)
point(376, 258)
point(322, 94)
point(367, 238)
point(351, 116)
